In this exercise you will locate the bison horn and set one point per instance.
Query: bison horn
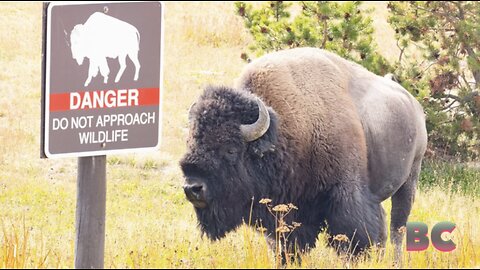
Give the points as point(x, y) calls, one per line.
point(256, 130)
point(190, 113)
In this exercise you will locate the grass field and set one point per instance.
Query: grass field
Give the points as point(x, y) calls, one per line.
point(149, 223)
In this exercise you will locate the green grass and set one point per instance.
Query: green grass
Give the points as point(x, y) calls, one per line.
point(451, 177)
point(149, 222)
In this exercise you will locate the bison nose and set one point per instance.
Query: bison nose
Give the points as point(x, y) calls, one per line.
point(195, 194)
point(193, 191)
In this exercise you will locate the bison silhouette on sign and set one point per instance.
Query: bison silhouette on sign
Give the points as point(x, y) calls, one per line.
point(103, 36)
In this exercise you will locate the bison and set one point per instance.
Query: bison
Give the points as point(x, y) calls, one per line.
point(307, 127)
point(103, 36)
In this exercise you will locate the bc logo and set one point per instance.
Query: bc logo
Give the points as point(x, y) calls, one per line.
point(417, 236)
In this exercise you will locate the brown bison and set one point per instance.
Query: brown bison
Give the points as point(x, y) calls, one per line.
point(307, 127)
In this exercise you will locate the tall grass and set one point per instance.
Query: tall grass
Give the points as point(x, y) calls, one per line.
point(17, 251)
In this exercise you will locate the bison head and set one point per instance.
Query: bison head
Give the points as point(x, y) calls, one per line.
point(77, 43)
point(232, 136)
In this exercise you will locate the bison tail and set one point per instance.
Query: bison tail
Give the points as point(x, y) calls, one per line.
point(389, 76)
point(392, 77)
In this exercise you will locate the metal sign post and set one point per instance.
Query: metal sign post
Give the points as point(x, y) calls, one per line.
point(101, 94)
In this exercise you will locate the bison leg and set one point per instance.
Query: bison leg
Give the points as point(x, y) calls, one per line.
point(104, 70)
point(402, 202)
point(92, 71)
point(121, 60)
point(134, 57)
point(356, 221)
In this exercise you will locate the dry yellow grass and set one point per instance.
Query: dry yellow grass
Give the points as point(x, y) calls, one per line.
point(149, 223)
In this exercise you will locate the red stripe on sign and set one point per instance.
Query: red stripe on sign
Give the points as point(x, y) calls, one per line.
point(104, 99)
point(149, 96)
point(59, 102)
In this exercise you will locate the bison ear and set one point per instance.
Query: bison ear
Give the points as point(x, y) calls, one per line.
point(268, 141)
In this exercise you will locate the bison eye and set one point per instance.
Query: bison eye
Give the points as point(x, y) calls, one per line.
point(230, 153)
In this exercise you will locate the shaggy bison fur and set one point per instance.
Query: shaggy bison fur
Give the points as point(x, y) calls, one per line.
point(306, 127)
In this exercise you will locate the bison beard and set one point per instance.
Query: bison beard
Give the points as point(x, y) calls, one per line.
point(227, 210)
point(336, 142)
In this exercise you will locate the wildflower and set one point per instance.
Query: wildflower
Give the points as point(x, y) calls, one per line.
point(262, 229)
point(280, 208)
point(265, 201)
point(340, 238)
point(296, 224)
point(283, 229)
point(291, 206)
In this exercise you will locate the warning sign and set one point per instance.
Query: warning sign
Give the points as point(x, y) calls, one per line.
point(102, 78)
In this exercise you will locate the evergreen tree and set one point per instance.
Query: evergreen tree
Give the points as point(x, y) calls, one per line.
point(447, 77)
point(343, 28)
